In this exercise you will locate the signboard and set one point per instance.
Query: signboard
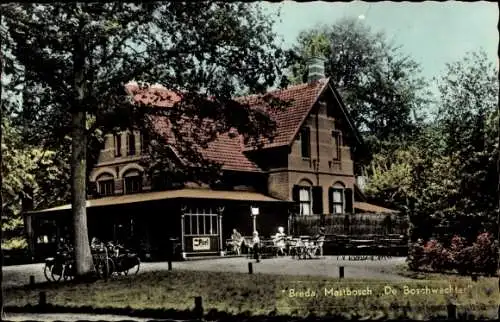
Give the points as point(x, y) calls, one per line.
point(201, 243)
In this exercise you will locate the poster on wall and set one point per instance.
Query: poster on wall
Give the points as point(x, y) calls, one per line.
point(201, 243)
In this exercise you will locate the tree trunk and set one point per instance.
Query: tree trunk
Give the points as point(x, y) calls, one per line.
point(1, 185)
point(83, 256)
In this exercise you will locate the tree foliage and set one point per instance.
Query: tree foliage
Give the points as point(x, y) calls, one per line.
point(79, 56)
point(448, 175)
point(378, 83)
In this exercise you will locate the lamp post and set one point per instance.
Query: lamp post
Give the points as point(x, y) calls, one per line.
point(255, 212)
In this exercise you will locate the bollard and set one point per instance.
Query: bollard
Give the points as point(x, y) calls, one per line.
point(198, 307)
point(341, 271)
point(42, 300)
point(169, 264)
point(32, 280)
point(452, 311)
point(250, 268)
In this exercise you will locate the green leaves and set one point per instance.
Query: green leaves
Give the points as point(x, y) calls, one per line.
point(449, 170)
point(380, 86)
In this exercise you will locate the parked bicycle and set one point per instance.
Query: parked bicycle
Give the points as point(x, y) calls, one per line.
point(124, 261)
point(61, 266)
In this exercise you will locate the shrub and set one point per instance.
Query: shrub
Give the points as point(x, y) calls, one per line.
point(416, 256)
point(438, 257)
point(16, 243)
point(457, 245)
point(485, 254)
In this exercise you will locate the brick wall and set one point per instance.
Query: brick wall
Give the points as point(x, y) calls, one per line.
point(278, 185)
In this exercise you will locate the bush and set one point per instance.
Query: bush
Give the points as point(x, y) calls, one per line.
point(485, 257)
point(457, 245)
point(15, 243)
point(416, 256)
point(438, 257)
point(480, 257)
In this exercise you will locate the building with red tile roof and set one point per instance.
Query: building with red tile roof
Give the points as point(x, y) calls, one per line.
point(307, 168)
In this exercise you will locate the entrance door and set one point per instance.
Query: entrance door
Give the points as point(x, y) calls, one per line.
point(201, 232)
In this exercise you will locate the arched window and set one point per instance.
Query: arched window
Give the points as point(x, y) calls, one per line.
point(338, 198)
point(132, 182)
point(105, 185)
point(304, 191)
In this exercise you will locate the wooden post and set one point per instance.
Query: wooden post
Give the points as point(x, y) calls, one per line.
point(32, 280)
point(198, 307)
point(42, 299)
point(341, 272)
point(452, 311)
point(221, 246)
point(182, 233)
point(250, 268)
point(474, 277)
point(169, 264)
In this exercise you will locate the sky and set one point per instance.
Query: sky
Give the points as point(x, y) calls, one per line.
point(433, 33)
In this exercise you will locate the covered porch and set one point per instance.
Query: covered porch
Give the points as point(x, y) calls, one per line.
point(190, 222)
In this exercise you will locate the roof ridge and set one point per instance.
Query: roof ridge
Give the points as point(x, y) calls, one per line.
point(292, 87)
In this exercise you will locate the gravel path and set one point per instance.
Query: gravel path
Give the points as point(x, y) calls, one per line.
point(327, 266)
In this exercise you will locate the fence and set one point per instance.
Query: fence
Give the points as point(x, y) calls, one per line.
point(350, 224)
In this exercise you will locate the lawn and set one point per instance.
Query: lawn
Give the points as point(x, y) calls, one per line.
point(237, 293)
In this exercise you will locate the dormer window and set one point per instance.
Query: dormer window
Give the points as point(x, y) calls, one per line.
point(305, 142)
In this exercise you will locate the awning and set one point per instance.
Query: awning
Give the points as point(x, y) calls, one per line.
point(169, 194)
point(367, 207)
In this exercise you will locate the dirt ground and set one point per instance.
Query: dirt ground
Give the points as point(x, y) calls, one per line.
point(327, 266)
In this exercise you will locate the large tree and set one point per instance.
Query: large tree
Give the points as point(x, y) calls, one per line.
point(80, 56)
point(379, 84)
point(448, 175)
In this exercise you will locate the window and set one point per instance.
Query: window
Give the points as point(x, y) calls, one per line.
point(305, 137)
point(133, 184)
point(201, 224)
point(336, 145)
point(106, 187)
point(305, 201)
point(131, 144)
point(144, 143)
point(118, 145)
point(338, 200)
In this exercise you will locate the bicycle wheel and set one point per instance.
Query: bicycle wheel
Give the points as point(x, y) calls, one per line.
point(57, 272)
point(103, 270)
point(134, 269)
point(69, 272)
point(47, 272)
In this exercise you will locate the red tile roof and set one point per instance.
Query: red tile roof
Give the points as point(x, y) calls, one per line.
point(228, 149)
point(289, 119)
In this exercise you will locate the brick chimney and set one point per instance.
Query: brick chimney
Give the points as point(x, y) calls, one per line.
point(315, 69)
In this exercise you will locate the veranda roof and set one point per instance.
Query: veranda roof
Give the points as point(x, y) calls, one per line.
point(169, 194)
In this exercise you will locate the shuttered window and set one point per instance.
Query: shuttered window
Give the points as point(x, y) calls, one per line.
point(305, 201)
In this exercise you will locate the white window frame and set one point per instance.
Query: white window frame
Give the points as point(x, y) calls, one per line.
point(305, 201)
point(340, 190)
